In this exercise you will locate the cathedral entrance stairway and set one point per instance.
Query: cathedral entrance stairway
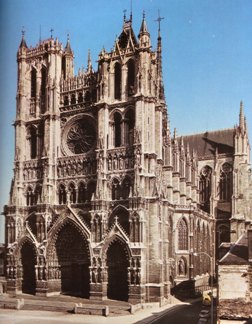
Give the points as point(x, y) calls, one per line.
point(67, 304)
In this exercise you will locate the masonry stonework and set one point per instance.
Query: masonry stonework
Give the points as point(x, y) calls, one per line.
point(105, 202)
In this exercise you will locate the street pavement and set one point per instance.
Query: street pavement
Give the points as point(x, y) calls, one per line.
point(159, 315)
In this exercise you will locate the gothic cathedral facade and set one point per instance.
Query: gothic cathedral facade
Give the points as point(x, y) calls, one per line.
point(104, 202)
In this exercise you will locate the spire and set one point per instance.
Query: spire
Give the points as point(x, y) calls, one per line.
point(131, 10)
point(143, 28)
point(144, 36)
point(89, 67)
point(241, 117)
point(159, 60)
point(68, 49)
point(23, 42)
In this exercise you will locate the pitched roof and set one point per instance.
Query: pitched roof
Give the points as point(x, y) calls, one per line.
point(238, 253)
point(206, 144)
point(126, 34)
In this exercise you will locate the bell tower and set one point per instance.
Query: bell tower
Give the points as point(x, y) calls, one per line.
point(37, 121)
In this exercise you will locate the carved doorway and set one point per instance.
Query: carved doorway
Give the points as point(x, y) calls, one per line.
point(28, 259)
point(74, 261)
point(118, 262)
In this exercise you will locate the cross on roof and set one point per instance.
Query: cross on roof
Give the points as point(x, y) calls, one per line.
point(23, 31)
point(159, 20)
point(51, 30)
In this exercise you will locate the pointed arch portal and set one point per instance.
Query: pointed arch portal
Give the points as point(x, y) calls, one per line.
point(28, 259)
point(73, 257)
point(118, 262)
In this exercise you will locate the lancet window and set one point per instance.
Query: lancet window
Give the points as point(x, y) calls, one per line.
point(182, 235)
point(33, 82)
point(91, 187)
point(29, 197)
point(116, 189)
point(225, 184)
point(80, 97)
point(135, 229)
point(117, 81)
point(82, 193)
point(33, 142)
point(66, 101)
point(126, 184)
point(72, 193)
point(62, 194)
point(117, 129)
point(205, 187)
point(43, 89)
point(129, 127)
point(170, 237)
point(131, 77)
point(73, 99)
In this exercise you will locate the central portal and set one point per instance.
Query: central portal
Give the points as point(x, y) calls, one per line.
point(117, 261)
point(74, 261)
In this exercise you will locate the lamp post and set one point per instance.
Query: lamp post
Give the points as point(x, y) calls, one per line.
point(211, 279)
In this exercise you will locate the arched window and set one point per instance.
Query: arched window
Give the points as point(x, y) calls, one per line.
point(197, 248)
point(33, 142)
point(170, 237)
point(82, 193)
point(29, 197)
point(43, 89)
point(91, 187)
point(205, 188)
point(87, 96)
point(40, 139)
point(116, 189)
point(73, 99)
point(72, 193)
point(66, 101)
point(182, 235)
point(33, 83)
point(80, 97)
point(117, 129)
point(131, 77)
point(226, 182)
point(62, 194)
point(118, 81)
point(37, 195)
point(135, 229)
point(125, 188)
point(129, 127)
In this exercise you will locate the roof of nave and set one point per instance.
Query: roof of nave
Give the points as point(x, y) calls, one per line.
point(238, 253)
point(210, 143)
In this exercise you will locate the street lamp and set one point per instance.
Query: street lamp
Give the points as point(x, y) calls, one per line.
point(211, 279)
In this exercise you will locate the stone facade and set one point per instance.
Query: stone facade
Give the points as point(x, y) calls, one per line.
point(235, 281)
point(104, 201)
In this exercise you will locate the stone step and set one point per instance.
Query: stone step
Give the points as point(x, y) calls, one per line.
point(34, 303)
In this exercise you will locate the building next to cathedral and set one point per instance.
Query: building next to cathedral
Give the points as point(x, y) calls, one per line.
point(105, 202)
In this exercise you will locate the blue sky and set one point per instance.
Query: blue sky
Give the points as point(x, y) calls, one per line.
point(207, 56)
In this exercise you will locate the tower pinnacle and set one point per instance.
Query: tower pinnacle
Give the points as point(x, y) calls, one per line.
point(89, 67)
point(241, 117)
point(23, 42)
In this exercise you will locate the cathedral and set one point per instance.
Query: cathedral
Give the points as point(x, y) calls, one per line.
point(106, 201)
